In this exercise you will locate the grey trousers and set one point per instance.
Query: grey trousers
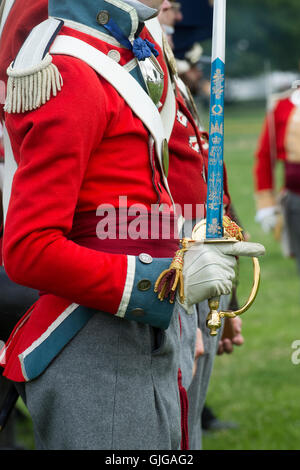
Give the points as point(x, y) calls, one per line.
point(113, 387)
point(197, 390)
point(292, 214)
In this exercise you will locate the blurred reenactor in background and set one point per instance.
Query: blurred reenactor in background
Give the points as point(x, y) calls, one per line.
point(170, 14)
point(190, 70)
point(280, 141)
point(194, 28)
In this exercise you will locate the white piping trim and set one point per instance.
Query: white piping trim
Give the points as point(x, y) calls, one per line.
point(133, 15)
point(131, 264)
point(66, 313)
point(131, 65)
point(24, 370)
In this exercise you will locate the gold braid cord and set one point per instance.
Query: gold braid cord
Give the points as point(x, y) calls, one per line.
point(232, 229)
point(172, 278)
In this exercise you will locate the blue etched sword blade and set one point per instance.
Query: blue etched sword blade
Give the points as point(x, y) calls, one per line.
point(214, 209)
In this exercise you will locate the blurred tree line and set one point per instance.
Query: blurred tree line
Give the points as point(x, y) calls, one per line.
point(257, 31)
point(260, 30)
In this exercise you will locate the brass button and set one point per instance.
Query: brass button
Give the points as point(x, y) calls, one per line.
point(144, 285)
point(137, 312)
point(103, 17)
point(145, 258)
point(165, 156)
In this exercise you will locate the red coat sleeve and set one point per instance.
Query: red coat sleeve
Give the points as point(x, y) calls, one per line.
point(271, 144)
point(52, 147)
point(270, 149)
point(263, 165)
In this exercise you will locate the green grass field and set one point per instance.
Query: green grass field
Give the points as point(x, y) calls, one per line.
point(257, 386)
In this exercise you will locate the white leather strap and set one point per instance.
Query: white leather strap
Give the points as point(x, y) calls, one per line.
point(168, 112)
point(122, 81)
point(155, 30)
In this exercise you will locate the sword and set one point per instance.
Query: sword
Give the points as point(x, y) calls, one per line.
point(214, 211)
point(214, 231)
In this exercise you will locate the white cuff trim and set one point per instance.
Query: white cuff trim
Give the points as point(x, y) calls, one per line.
point(131, 264)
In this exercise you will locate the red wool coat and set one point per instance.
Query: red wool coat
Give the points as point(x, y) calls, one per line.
point(278, 142)
point(94, 168)
point(69, 163)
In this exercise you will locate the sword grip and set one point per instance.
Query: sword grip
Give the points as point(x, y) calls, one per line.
point(214, 319)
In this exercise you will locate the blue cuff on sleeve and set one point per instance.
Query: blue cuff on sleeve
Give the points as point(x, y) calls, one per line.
point(144, 305)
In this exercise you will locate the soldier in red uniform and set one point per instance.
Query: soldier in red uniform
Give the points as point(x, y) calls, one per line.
point(86, 139)
point(279, 141)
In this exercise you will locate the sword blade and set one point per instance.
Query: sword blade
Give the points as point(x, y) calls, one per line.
point(214, 212)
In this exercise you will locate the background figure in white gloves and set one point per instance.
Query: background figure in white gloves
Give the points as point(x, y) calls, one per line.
point(267, 218)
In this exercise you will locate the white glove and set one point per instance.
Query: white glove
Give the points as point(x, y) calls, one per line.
point(208, 269)
point(267, 218)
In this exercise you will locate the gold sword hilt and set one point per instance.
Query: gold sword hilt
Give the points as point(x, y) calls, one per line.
point(232, 235)
point(214, 317)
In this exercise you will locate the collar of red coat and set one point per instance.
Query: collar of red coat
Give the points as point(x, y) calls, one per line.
point(87, 12)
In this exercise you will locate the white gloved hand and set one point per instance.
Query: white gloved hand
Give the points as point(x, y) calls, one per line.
point(267, 217)
point(208, 269)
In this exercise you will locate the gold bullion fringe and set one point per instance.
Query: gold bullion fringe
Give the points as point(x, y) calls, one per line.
point(172, 278)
